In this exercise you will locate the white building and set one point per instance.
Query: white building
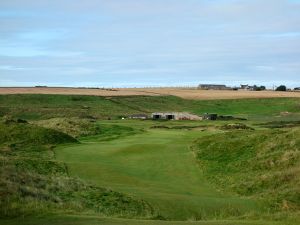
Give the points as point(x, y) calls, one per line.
point(174, 116)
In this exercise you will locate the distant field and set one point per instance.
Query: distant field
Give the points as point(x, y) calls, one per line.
point(183, 93)
point(75, 91)
point(218, 94)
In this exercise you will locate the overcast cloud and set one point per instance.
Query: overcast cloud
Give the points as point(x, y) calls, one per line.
point(117, 43)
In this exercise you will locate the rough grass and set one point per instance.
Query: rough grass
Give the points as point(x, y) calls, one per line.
point(32, 181)
point(75, 127)
point(280, 124)
point(236, 126)
point(262, 164)
point(14, 133)
point(107, 132)
point(27, 194)
point(244, 174)
point(54, 106)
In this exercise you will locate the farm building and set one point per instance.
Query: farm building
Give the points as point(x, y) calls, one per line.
point(138, 116)
point(210, 116)
point(213, 87)
point(175, 116)
point(246, 87)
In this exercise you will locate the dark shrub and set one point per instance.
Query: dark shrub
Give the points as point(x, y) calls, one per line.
point(281, 88)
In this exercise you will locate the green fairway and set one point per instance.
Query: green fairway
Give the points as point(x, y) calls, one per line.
point(158, 166)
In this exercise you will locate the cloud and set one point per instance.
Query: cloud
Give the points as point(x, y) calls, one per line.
point(10, 68)
point(172, 41)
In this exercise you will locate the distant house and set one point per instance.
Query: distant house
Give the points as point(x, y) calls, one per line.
point(213, 87)
point(210, 116)
point(174, 116)
point(246, 87)
point(138, 116)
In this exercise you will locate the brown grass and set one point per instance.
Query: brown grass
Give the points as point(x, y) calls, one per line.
point(219, 94)
point(72, 91)
point(180, 92)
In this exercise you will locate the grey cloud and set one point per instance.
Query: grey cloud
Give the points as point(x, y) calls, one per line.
point(105, 41)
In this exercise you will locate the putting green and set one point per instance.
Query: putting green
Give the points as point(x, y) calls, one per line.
point(157, 166)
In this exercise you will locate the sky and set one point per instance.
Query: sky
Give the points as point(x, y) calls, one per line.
point(146, 43)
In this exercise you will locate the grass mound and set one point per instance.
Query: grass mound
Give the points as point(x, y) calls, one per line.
point(75, 127)
point(280, 124)
point(26, 193)
point(178, 127)
point(33, 182)
point(26, 134)
point(236, 126)
point(109, 132)
point(86, 129)
point(259, 164)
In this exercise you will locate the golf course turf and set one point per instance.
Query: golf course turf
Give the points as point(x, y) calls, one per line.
point(74, 160)
point(158, 166)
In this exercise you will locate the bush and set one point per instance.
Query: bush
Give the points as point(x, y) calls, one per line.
point(281, 88)
point(259, 88)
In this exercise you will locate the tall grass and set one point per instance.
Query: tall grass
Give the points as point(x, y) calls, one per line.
point(259, 164)
point(33, 182)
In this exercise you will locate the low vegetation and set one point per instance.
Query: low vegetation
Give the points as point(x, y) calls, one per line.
point(33, 182)
point(14, 133)
point(236, 126)
point(75, 155)
point(280, 124)
point(75, 127)
point(260, 164)
point(41, 107)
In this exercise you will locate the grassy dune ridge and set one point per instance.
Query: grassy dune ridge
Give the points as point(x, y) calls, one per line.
point(264, 164)
point(34, 182)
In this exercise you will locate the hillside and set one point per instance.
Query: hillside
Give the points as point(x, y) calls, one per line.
point(33, 181)
point(37, 107)
point(74, 160)
point(264, 164)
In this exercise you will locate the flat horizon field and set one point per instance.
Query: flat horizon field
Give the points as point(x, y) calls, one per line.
point(186, 93)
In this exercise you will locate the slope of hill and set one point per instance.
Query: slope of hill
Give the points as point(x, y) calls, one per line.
point(264, 164)
point(92, 107)
point(75, 155)
point(33, 182)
